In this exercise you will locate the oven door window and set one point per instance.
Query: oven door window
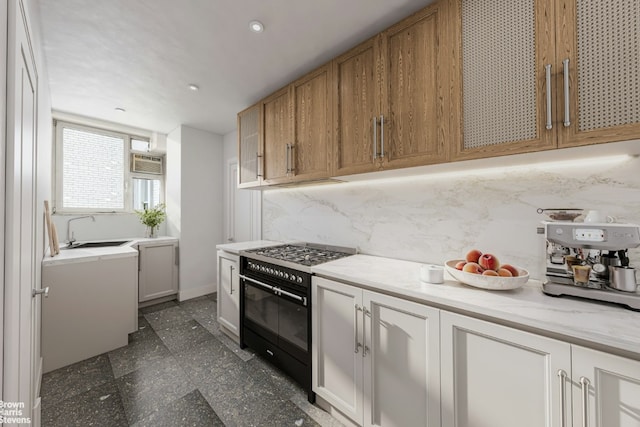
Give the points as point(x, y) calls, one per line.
point(293, 323)
point(261, 307)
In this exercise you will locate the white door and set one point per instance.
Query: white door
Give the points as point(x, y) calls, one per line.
point(229, 295)
point(337, 353)
point(21, 328)
point(494, 376)
point(402, 363)
point(605, 387)
point(243, 209)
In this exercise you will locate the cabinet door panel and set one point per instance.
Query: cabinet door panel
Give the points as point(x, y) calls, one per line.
point(494, 376)
point(602, 43)
point(402, 367)
point(336, 327)
point(415, 90)
point(613, 389)
point(356, 97)
point(157, 266)
point(277, 129)
point(504, 52)
point(312, 126)
point(228, 296)
point(249, 147)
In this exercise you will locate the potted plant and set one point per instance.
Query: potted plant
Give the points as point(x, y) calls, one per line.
point(152, 218)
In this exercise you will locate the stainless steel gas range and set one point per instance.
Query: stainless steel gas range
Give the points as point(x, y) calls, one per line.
point(275, 304)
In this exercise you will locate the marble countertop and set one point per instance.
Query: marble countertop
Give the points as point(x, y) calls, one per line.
point(67, 256)
point(575, 320)
point(235, 248)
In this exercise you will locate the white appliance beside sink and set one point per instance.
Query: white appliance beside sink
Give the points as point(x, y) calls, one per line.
point(92, 303)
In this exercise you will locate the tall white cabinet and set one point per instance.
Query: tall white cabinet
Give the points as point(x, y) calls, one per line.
point(376, 357)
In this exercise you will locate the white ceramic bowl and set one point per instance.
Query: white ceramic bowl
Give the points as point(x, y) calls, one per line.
point(487, 282)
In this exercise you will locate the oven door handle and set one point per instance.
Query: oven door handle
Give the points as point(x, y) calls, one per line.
point(303, 300)
point(264, 285)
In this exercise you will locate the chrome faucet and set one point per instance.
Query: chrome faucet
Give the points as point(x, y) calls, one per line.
point(70, 237)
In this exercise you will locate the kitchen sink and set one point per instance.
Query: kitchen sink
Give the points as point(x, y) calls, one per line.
point(86, 245)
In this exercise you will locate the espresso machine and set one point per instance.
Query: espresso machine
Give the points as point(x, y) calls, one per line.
point(590, 260)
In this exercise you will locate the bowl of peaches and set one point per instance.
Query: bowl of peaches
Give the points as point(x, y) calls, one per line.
point(484, 270)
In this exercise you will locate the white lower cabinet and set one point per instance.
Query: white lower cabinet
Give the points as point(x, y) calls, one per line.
point(385, 361)
point(495, 376)
point(498, 376)
point(157, 270)
point(376, 358)
point(606, 389)
point(229, 292)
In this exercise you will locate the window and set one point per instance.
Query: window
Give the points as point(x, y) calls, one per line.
point(93, 171)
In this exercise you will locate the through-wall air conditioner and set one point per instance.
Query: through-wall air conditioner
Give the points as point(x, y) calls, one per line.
point(141, 163)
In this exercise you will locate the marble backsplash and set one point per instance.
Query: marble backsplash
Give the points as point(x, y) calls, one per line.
point(435, 217)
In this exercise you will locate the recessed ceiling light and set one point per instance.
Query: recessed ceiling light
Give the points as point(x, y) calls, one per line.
point(256, 26)
point(193, 87)
point(120, 109)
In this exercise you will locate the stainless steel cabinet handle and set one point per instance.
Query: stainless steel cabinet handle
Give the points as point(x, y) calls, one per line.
point(584, 385)
point(365, 349)
point(355, 319)
point(567, 116)
point(231, 280)
point(563, 404)
point(286, 154)
point(292, 161)
point(43, 291)
point(375, 138)
point(381, 136)
point(547, 69)
point(258, 168)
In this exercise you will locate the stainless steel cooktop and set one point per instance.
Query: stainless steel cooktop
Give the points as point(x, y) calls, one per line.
point(300, 256)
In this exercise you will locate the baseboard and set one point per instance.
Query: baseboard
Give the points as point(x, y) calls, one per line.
point(186, 294)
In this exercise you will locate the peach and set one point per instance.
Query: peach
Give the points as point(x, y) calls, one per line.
point(489, 273)
point(504, 272)
point(473, 255)
point(489, 262)
point(511, 268)
point(472, 267)
point(460, 264)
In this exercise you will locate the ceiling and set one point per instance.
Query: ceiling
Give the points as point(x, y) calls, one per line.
point(141, 55)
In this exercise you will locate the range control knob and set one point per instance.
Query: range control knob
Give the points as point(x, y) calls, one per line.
point(286, 276)
point(299, 279)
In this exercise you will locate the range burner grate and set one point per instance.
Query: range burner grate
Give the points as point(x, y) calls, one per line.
point(300, 254)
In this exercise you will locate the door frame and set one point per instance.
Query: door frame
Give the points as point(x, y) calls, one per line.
point(3, 135)
point(20, 331)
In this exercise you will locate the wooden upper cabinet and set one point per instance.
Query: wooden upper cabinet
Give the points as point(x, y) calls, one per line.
point(278, 136)
point(250, 147)
point(356, 101)
point(415, 96)
point(311, 150)
point(505, 107)
point(600, 45)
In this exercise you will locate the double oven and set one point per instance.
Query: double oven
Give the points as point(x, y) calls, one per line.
point(275, 304)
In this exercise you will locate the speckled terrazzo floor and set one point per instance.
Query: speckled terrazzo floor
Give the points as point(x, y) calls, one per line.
point(178, 369)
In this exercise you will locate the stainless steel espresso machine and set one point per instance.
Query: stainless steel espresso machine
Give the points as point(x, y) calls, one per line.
point(590, 260)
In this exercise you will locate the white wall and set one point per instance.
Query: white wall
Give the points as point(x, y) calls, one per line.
point(195, 205)
point(435, 218)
